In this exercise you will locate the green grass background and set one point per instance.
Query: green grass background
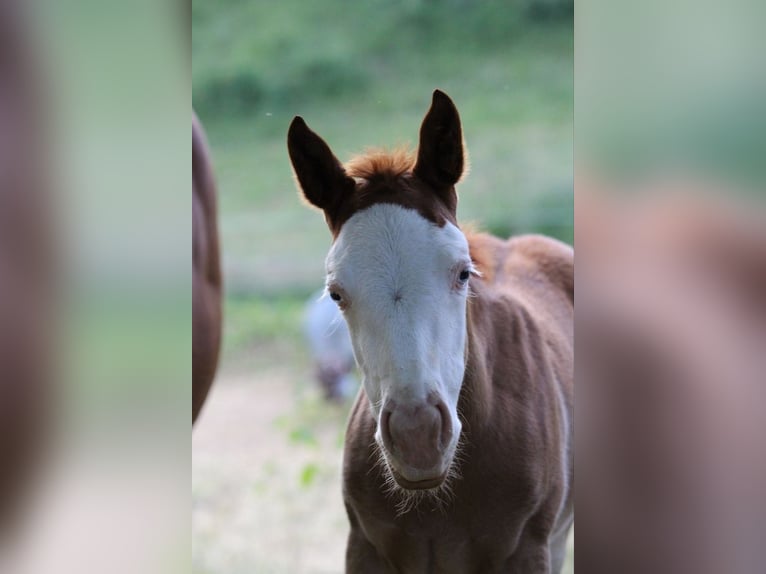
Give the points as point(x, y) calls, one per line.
point(362, 74)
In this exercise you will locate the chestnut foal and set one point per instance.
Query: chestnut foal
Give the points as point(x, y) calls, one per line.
point(458, 455)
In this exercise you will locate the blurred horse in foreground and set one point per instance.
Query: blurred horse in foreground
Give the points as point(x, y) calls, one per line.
point(27, 274)
point(671, 356)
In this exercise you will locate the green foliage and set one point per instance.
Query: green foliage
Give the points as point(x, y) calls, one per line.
point(238, 93)
point(251, 321)
point(362, 74)
point(303, 435)
point(250, 56)
point(308, 474)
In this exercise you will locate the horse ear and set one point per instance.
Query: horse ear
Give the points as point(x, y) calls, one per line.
point(320, 175)
point(440, 152)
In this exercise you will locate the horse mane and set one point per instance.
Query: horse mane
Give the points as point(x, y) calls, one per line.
point(381, 162)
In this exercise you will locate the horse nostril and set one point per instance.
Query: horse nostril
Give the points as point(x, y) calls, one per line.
point(446, 426)
point(385, 431)
point(417, 435)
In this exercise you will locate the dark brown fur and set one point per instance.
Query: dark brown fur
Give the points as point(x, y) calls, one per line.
point(510, 509)
point(206, 272)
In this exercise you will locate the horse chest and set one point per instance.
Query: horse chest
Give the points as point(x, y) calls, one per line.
point(477, 530)
point(438, 546)
point(476, 534)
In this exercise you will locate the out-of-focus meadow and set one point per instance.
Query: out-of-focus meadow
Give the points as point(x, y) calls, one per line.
point(267, 448)
point(362, 75)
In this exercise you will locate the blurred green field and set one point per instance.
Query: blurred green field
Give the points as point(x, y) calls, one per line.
point(362, 75)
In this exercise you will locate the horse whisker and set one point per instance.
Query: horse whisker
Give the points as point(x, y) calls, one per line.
point(404, 500)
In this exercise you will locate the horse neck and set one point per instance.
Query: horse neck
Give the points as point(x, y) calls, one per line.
point(476, 392)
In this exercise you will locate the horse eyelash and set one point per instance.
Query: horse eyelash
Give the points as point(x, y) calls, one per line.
point(476, 273)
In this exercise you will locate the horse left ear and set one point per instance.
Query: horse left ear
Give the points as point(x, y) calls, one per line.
point(440, 152)
point(321, 176)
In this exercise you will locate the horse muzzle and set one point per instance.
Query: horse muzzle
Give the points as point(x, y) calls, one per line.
point(418, 442)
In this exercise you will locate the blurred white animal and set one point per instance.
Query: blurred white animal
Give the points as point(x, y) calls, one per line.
point(330, 344)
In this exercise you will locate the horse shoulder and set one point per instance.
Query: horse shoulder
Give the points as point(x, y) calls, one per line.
point(543, 256)
point(539, 274)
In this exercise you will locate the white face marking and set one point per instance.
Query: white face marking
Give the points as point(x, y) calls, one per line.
point(399, 280)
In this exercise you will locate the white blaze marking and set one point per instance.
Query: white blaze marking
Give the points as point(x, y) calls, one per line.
point(397, 272)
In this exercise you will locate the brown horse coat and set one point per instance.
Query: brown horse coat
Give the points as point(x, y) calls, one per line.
point(510, 509)
point(206, 272)
point(514, 497)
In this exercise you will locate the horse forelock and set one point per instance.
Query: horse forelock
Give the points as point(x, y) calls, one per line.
point(380, 162)
point(386, 176)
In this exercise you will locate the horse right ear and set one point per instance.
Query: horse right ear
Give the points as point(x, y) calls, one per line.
point(440, 153)
point(320, 175)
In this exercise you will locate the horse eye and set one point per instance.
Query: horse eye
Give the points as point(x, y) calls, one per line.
point(464, 275)
point(334, 296)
